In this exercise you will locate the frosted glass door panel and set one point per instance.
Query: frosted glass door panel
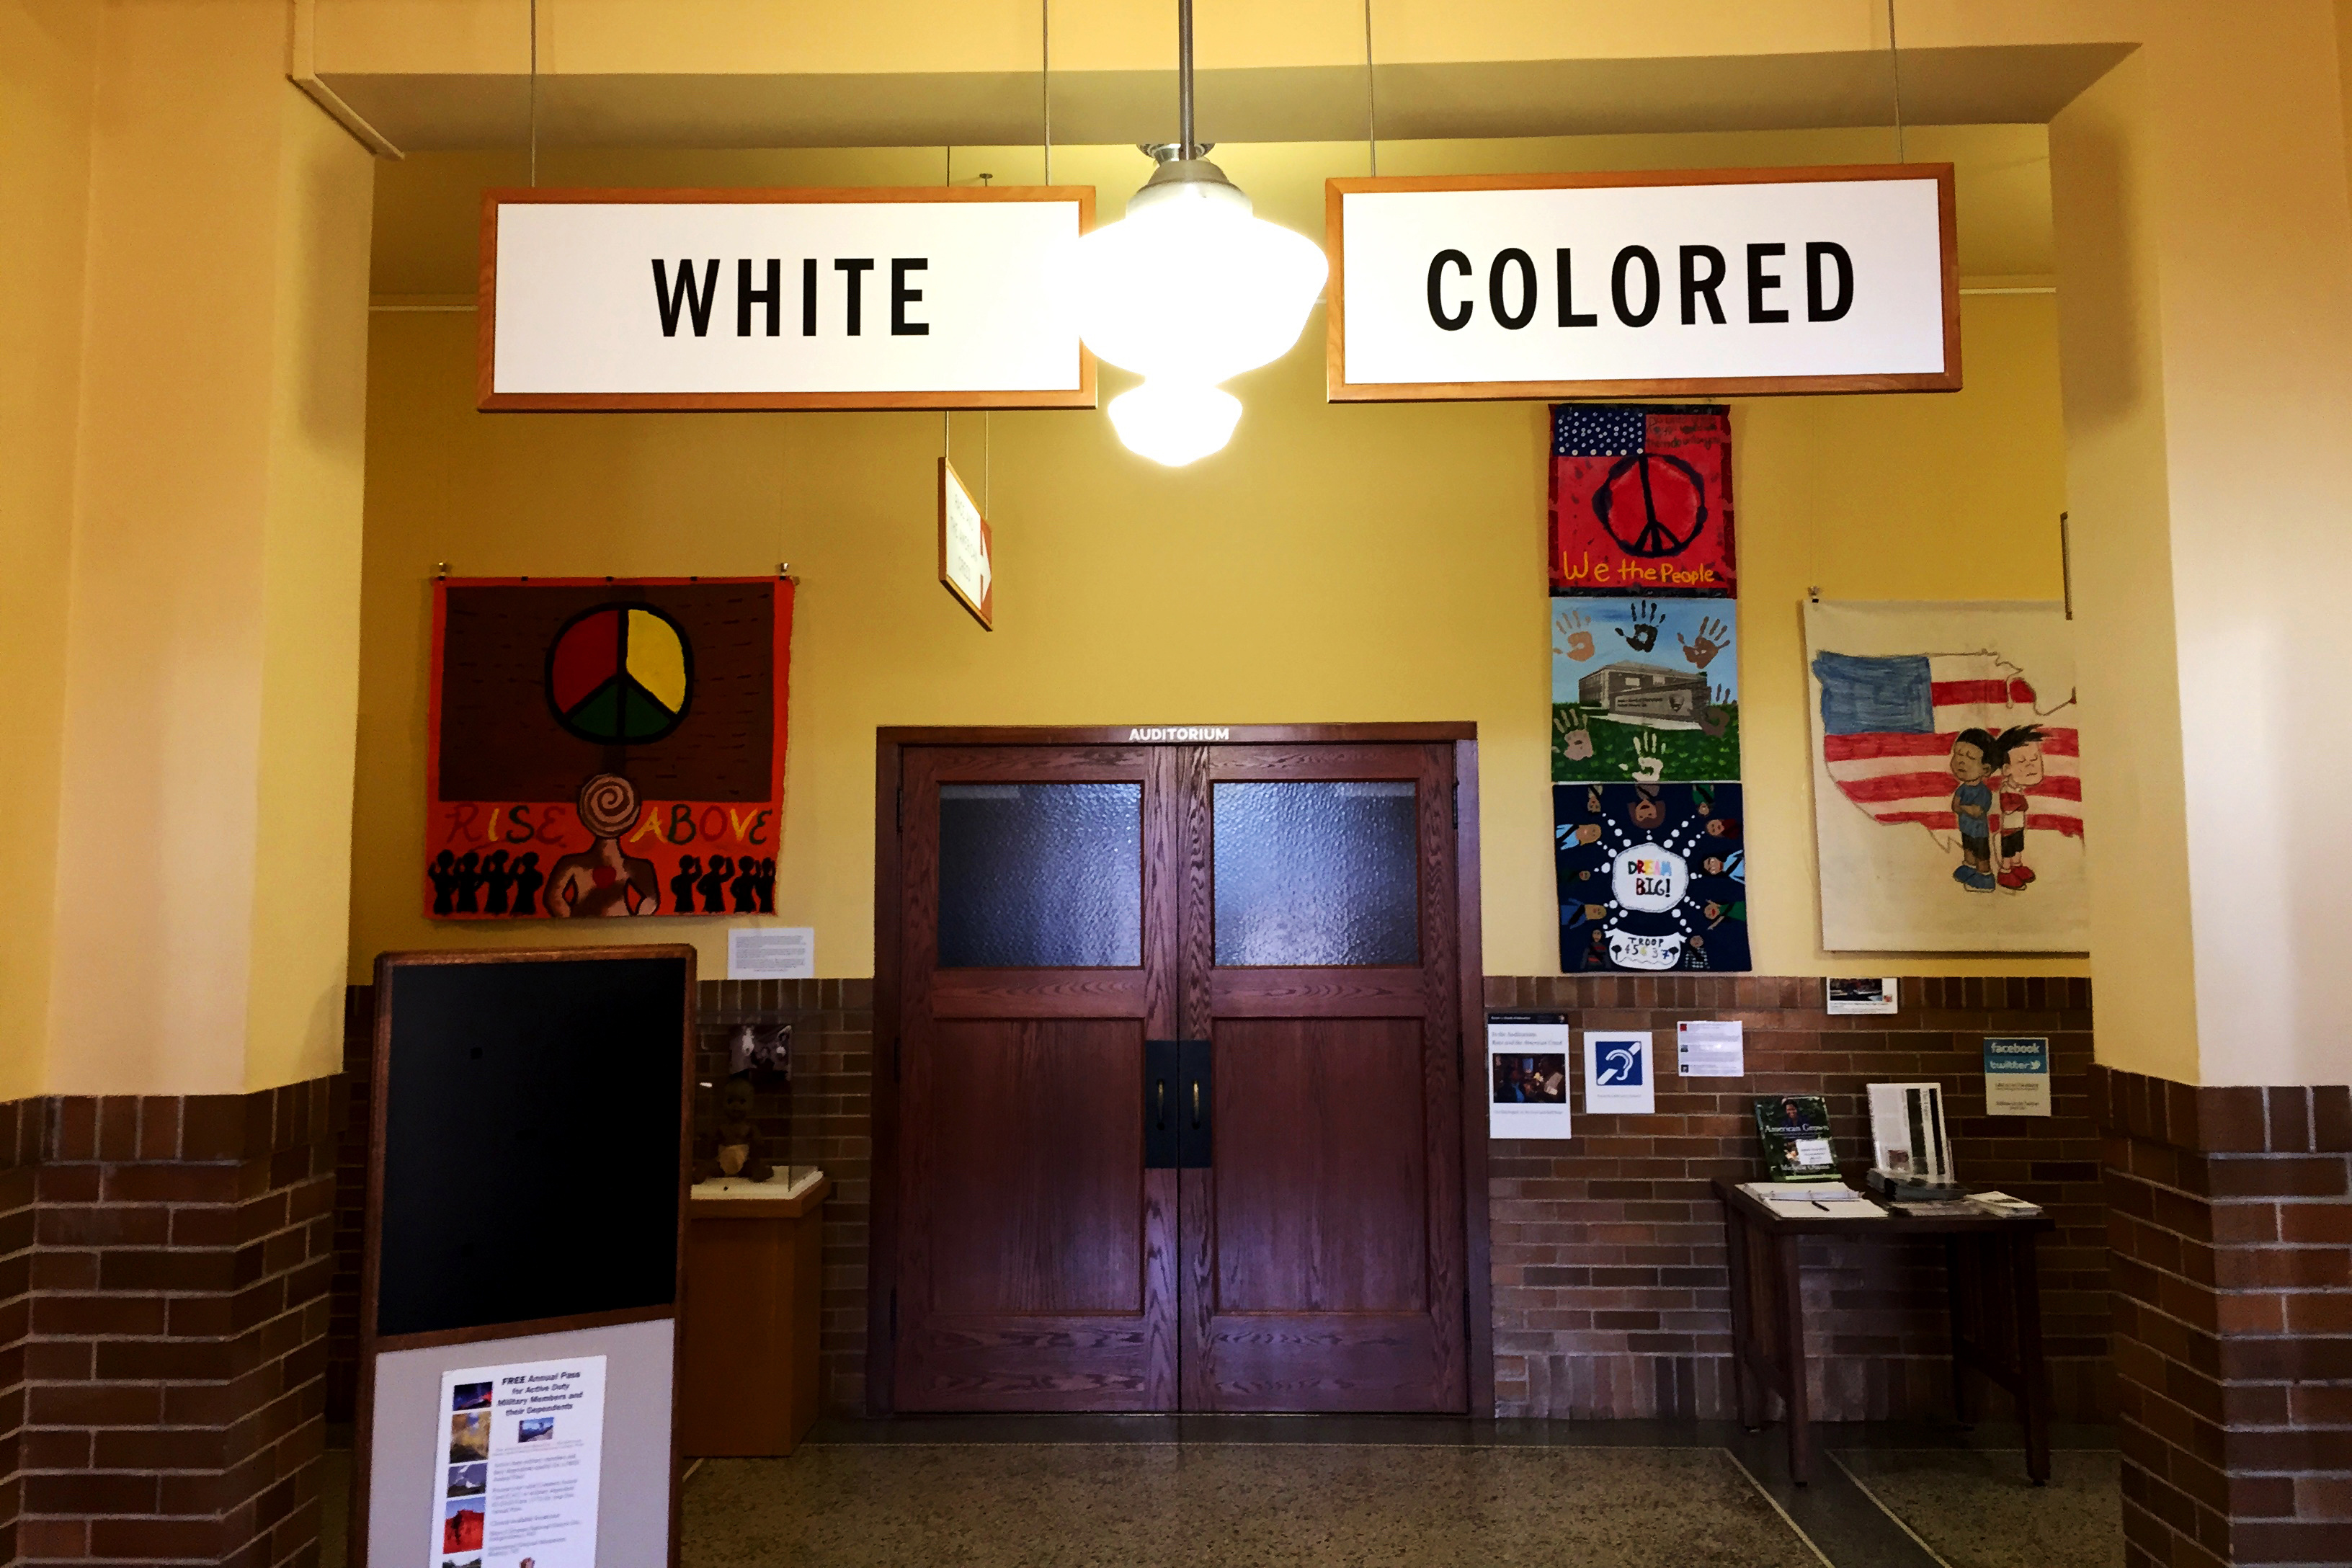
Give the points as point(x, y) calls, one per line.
point(1316, 873)
point(1041, 876)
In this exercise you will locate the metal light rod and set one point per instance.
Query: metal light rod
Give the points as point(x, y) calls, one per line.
point(1184, 79)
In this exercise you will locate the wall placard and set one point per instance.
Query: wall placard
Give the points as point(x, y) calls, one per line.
point(885, 298)
point(1661, 283)
point(967, 548)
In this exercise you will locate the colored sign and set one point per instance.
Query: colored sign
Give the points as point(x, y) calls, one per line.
point(1641, 502)
point(1653, 284)
point(967, 548)
point(2017, 1076)
point(890, 298)
point(606, 747)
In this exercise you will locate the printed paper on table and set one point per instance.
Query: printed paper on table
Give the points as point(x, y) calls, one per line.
point(1934, 724)
point(606, 747)
point(519, 1451)
point(1641, 501)
point(1651, 877)
point(1645, 689)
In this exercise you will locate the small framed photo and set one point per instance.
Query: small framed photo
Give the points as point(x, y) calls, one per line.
point(1861, 995)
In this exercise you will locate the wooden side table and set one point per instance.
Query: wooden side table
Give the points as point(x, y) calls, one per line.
point(748, 1378)
point(1996, 1303)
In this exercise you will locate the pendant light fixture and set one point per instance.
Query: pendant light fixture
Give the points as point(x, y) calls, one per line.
point(1190, 288)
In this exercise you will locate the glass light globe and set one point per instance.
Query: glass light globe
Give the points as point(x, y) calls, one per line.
point(1175, 423)
point(1190, 286)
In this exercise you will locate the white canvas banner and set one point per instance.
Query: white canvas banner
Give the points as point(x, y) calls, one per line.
point(1947, 786)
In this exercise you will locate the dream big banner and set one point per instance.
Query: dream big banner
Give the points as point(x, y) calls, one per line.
point(605, 746)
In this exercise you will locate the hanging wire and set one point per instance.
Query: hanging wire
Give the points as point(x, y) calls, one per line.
point(1894, 66)
point(987, 462)
point(1045, 78)
point(534, 94)
point(1372, 95)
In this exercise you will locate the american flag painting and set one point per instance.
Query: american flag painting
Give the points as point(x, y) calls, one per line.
point(1948, 785)
point(1888, 725)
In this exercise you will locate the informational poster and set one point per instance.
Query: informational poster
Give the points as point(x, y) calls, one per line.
point(524, 1445)
point(967, 548)
point(772, 952)
point(2017, 1076)
point(1711, 1049)
point(1617, 1073)
point(1948, 777)
point(606, 747)
point(1527, 1075)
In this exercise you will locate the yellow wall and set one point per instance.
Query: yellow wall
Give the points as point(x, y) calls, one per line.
point(48, 51)
point(1351, 563)
point(208, 660)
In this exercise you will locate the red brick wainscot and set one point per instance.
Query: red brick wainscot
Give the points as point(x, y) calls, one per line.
point(2230, 1211)
point(164, 1326)
point(1611, 1297)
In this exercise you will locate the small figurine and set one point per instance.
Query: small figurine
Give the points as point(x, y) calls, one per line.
point(739, 1142)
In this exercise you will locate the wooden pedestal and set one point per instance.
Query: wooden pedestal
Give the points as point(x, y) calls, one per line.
point(748, 1383)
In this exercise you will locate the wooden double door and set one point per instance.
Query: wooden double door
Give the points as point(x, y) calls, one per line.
point(1174, 1046)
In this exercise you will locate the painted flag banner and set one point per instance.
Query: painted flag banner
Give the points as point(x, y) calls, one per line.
point(606, 747)
point(1641, 501)
point(1947, 790)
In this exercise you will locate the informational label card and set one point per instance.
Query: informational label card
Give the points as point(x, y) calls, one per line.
point(1617, 1076)
point(772, 952)
point(1527, 1075)
point(1710, 1049)
point(2017, 1076)
point(1846, 995)
point(524, 1444)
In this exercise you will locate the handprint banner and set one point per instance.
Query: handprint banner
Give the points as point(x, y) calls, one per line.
point(1652, 877)
point(1947, 790)
point(1641, 501)
point(1644, 691)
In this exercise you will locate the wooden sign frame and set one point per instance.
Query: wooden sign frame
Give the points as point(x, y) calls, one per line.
point(984, 609)
point(489, 400)
point(1338, 389)
point(372, 1345)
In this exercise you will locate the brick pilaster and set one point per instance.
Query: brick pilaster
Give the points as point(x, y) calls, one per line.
point(2230, 1211)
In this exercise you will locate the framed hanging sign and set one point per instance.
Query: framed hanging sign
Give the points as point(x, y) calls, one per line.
point(883, 298)
point(967, 548)
point(1668, 283)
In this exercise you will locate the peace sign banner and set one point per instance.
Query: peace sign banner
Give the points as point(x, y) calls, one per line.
point(1641, 501)
point(602, 747)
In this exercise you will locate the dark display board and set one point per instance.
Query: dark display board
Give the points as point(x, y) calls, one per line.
point(534, 1113)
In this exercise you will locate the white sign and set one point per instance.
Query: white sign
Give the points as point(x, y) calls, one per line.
point(1862, 996)
point(1664, 283)
point(1527, 1075)
point(2017, 1076)
point(967, 548)
point(809, 299)
point(1710, 1050)
point(1617, 1073)
point(524, 1446)
point(772, 952)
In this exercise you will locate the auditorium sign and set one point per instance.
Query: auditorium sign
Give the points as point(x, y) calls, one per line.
point(889, 298)
point(1712, 283)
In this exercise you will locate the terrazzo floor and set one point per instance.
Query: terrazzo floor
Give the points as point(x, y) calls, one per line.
point(1140, 1505)
point(1975, 1508)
